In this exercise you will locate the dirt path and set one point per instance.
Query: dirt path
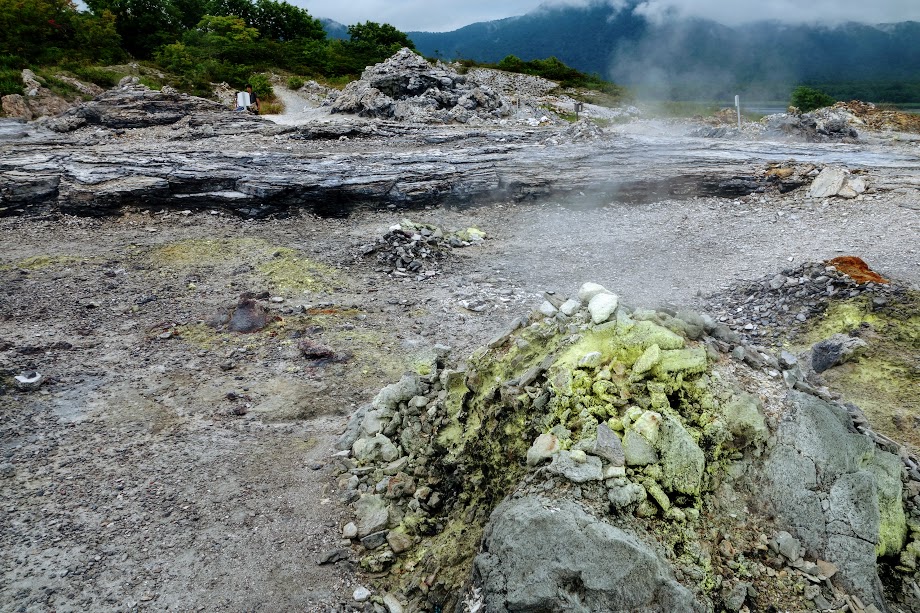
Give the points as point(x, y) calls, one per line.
point(167, 466)
point(300, 110)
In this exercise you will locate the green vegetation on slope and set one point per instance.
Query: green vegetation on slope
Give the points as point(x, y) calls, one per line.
point(196, 41)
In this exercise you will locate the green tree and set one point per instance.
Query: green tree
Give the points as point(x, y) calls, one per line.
point(36, 30)
point(144, 25)
point(512, 63)
point(244, 9)
point(285, 22)
point(219, 48)
point(808, 99)
point(369, 43)
point(190, 11)
point(50, 31)
point(380, 36)
point(97, 37)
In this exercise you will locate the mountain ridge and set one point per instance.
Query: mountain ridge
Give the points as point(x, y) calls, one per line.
point(695, 57)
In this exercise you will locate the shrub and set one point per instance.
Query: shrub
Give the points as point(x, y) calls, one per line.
point(295, 83)
point(261, 86)
point(94, 74)
point(808, 99)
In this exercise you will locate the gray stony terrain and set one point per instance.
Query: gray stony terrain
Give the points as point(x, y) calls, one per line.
point(169, 463)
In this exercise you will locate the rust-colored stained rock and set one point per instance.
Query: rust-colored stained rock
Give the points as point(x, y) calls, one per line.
point(14, 105)
point(856, 269)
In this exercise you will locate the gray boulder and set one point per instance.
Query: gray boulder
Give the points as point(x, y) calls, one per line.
point(553, 556)
point(681, 458)
point(576, 472)
point(835, 350)
point(828, 182)
point(836, 492)
point(607, 446)
point(352, 428)
point(401, 391)
point(376, 449)
point(372, 514)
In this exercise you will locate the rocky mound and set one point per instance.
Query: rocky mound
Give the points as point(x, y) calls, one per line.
point(39, 101)
point(630, 459)
point(857, 332)
point(131, 105)
point(407, 88)
point(411, 250)
point(822, 125)
point(770, 310)
point(867, 114)
point(838, 122)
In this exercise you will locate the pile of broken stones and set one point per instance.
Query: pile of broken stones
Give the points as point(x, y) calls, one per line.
point(407, 88)
point(764, 311)
point(416, 251)
point(628, 433)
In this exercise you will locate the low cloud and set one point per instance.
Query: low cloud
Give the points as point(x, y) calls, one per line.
point(829, 12)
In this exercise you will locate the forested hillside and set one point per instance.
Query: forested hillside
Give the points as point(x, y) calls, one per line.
point(196, 41)
point(695, 58)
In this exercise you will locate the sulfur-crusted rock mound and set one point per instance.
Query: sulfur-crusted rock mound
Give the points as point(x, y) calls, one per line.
point(407, 88)
point(657, 431)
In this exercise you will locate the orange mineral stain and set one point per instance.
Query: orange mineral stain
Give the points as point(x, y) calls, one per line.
point(856, 269)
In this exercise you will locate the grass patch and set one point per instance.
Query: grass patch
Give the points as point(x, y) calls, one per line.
point(10, 82)
point(286, 270)
point(102, 77)
point(295, 83)
point(883, 382)
point(274, 107)
point(150, 82)
point(40, 262)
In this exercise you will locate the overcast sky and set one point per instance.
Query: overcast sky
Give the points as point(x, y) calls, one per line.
point(443, 15)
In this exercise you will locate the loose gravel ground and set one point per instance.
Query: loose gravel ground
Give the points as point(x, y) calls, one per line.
point(166, 466)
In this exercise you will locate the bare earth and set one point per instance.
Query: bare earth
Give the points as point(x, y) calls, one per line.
point(166, 466)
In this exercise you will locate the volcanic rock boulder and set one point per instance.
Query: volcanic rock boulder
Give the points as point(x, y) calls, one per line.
point(540, 555)
point(840, 494)
point(822, 125)
point(835, 350)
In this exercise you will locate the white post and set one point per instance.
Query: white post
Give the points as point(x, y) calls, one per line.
point(738, 106)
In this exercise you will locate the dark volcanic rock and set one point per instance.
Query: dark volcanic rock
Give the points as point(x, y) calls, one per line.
point(249, 316)
point(261, 176)
point(835, 350)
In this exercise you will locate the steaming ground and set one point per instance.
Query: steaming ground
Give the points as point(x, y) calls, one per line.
point(674, 251)
point(163, 466)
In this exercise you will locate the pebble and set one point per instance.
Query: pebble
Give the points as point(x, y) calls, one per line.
point(392, 604)
point(361, 594)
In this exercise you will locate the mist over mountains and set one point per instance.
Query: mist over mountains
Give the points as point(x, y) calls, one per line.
point(694, 58)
